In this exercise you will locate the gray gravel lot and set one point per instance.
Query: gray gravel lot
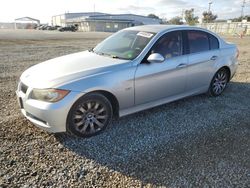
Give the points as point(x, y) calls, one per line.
point(195, 142)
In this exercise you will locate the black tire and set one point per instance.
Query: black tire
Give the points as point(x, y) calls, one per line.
point(219, 82)
point(89, 115)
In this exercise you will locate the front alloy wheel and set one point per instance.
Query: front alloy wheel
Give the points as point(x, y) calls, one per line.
point(89, 115)
point(219, 82)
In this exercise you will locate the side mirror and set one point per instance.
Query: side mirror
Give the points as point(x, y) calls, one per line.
point(156, 58)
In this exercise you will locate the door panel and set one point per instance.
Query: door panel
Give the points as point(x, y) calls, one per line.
point(200, 69)
point(160, 80)
point(204, 53)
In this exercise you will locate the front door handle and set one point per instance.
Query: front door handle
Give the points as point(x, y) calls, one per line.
point(182, 65)
point(214, 57)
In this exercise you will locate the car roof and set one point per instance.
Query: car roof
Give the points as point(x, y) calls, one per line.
point(161, 28)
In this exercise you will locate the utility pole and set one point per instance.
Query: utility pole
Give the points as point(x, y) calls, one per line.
point(209, 10)
point(209, 5)
point(182, 15)
point(94, 19)
point(242, 8)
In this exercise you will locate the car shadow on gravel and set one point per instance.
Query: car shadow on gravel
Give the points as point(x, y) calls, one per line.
point(197, 141)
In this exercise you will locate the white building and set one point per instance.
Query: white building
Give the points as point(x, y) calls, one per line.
point(95, 21)
point(62, 19)
point(26, 23)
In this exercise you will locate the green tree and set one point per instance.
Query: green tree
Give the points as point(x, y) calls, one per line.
point(153, 16)
point(247, 18)
point(190, 18)
point(208, 17)
point(239, 19)
point(176, 20)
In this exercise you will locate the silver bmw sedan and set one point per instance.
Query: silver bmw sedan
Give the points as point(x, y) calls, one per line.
point(132, 70)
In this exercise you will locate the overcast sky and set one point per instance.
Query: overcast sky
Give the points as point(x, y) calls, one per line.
point(44, 9)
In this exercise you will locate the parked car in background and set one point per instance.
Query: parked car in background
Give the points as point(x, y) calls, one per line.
point(132, 70)
point(72, 28)
point(56, 27)
point(42, 27)
point(47, 27)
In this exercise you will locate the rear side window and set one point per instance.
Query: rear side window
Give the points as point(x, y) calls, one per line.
point(214, 43)
point(198, 41)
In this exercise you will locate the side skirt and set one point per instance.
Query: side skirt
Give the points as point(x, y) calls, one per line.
point(152, 104)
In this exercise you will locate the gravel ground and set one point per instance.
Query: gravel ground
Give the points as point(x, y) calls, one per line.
point(195, 142)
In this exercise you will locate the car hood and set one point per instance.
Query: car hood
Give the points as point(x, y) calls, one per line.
point(64, 69)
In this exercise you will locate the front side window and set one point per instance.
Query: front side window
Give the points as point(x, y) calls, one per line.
point(169, 45)
point(126, 44)
point(198, 41)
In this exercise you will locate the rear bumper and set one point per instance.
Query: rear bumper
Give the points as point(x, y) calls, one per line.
point(51, 117)
point(233, 68)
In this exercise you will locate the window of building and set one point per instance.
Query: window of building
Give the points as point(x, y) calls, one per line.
point(108, 25)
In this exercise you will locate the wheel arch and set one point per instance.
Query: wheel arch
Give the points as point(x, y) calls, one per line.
point(210, 92)
point(228, 71)
point(112, 99)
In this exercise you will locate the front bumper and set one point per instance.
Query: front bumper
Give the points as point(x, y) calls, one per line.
point(51, 117)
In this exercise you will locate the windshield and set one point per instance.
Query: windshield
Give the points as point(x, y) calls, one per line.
point(125, 44)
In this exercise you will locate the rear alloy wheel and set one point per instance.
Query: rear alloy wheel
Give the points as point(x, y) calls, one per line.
point(89, 115)
point(219, 82)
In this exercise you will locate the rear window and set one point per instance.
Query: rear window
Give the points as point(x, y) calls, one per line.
point(214, 43)
point(198, 41)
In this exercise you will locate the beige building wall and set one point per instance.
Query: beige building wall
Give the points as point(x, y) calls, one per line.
point(235, 28)
point(58, 20)
point(87, 26)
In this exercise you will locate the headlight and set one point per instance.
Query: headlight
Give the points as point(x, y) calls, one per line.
point(48, 95)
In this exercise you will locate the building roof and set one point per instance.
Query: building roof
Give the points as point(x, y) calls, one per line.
point(117, 15)
point(129, 18)
point(27, 19)
point(79, 14)
point(108, 18)
point(94, 19)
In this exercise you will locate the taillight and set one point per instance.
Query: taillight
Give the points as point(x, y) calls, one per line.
point(238, 53)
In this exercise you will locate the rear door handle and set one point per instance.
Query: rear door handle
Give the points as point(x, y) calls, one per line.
point(214, 57)
point(182, 65)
